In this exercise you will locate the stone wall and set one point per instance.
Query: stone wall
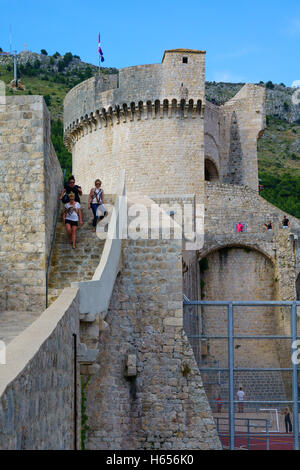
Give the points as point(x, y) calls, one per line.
point(151, 125)
point(30, 181)
point(227, 204)
point(242, 274)
point(155, 158)
point(155, 121)
point(212, 134)
point(39, 393)
point(242, 122)
point(168, 80)
point(163, 404)
point(255, 265)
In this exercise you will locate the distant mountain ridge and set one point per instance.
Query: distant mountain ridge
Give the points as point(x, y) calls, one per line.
point(279, 97)
point(56, 63)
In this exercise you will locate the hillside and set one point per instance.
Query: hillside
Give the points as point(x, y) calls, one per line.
point(52, 77)
point(278, 149)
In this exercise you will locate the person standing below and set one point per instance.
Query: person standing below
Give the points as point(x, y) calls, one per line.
point(241, 397)
point(71, 215)
point(269, 227)
point(285, 222)
point(240, 227)
point(96, 200)
point(287, 419)
point(219, 403)
point(71, 187)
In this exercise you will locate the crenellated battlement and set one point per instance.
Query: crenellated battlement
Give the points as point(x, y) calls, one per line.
point(169, 127)
point(141, 111)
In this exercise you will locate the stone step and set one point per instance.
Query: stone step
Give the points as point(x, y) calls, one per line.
point(72, 265)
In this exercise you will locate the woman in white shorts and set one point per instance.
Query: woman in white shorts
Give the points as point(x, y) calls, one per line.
point(71, 215)
point(96, 200)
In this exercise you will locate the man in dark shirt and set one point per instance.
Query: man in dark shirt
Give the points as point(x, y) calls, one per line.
point(285, 222)
point(71, 187)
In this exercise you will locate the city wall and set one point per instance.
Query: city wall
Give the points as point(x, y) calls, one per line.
point(31, 179)
point(155, 401)
point(39, 384)
point(254, 265)
point(152, 125)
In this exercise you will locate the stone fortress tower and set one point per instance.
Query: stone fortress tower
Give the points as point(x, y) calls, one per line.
point(118, 318)
point(154, 122)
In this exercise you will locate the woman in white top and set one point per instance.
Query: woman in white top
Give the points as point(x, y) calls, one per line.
point(71, 215)
point(96, 200)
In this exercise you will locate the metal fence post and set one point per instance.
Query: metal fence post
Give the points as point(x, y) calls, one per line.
point(231, 375)
point(295, 378)
point(268, 435)
point(248, 431)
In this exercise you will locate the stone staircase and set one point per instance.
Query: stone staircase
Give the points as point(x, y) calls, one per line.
point(69, 265)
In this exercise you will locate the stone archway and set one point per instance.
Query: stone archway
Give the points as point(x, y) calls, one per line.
point(211, 171)
point(238, 273)
point(241, 273)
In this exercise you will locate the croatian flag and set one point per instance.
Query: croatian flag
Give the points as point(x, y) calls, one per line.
point(100, 51)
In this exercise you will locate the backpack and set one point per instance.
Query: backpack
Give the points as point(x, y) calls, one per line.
point(98, 196)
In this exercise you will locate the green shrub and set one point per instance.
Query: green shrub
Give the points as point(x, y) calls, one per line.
point(47, 99)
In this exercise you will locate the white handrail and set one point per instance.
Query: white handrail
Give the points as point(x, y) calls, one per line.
point(95, 294)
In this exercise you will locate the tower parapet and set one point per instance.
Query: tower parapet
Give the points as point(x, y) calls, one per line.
point(154, 122)
point(161, 145)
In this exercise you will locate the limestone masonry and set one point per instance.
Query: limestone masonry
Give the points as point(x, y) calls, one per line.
point(154, 121)
point(135, 342)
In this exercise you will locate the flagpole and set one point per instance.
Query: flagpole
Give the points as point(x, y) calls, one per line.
point(99, 54)
point(101, 58)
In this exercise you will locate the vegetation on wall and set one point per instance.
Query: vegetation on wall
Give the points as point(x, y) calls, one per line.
point(64, 156)
point(84, 417)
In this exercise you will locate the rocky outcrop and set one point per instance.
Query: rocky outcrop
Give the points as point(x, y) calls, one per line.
point(278, 100)
point(52, 62)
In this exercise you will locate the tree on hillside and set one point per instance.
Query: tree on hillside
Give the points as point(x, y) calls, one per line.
point(65, 157)
point(47, 99)
point(44, 52)
point(36, 64)
point(270, 85)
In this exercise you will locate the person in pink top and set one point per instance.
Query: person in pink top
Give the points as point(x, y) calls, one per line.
point(239, 227)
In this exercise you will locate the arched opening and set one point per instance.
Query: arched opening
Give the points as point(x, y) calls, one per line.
point(240, 273)
point(298, 287)
point(211, 171)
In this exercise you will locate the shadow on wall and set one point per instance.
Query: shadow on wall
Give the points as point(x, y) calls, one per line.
point(235, 164)
point(211, 172)
point(298, 287)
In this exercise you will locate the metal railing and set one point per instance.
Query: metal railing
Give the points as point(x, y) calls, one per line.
point(249, 424)
point(231, 369)
point(52, 242)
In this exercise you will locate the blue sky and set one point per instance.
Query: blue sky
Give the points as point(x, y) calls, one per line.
point(245, 41)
